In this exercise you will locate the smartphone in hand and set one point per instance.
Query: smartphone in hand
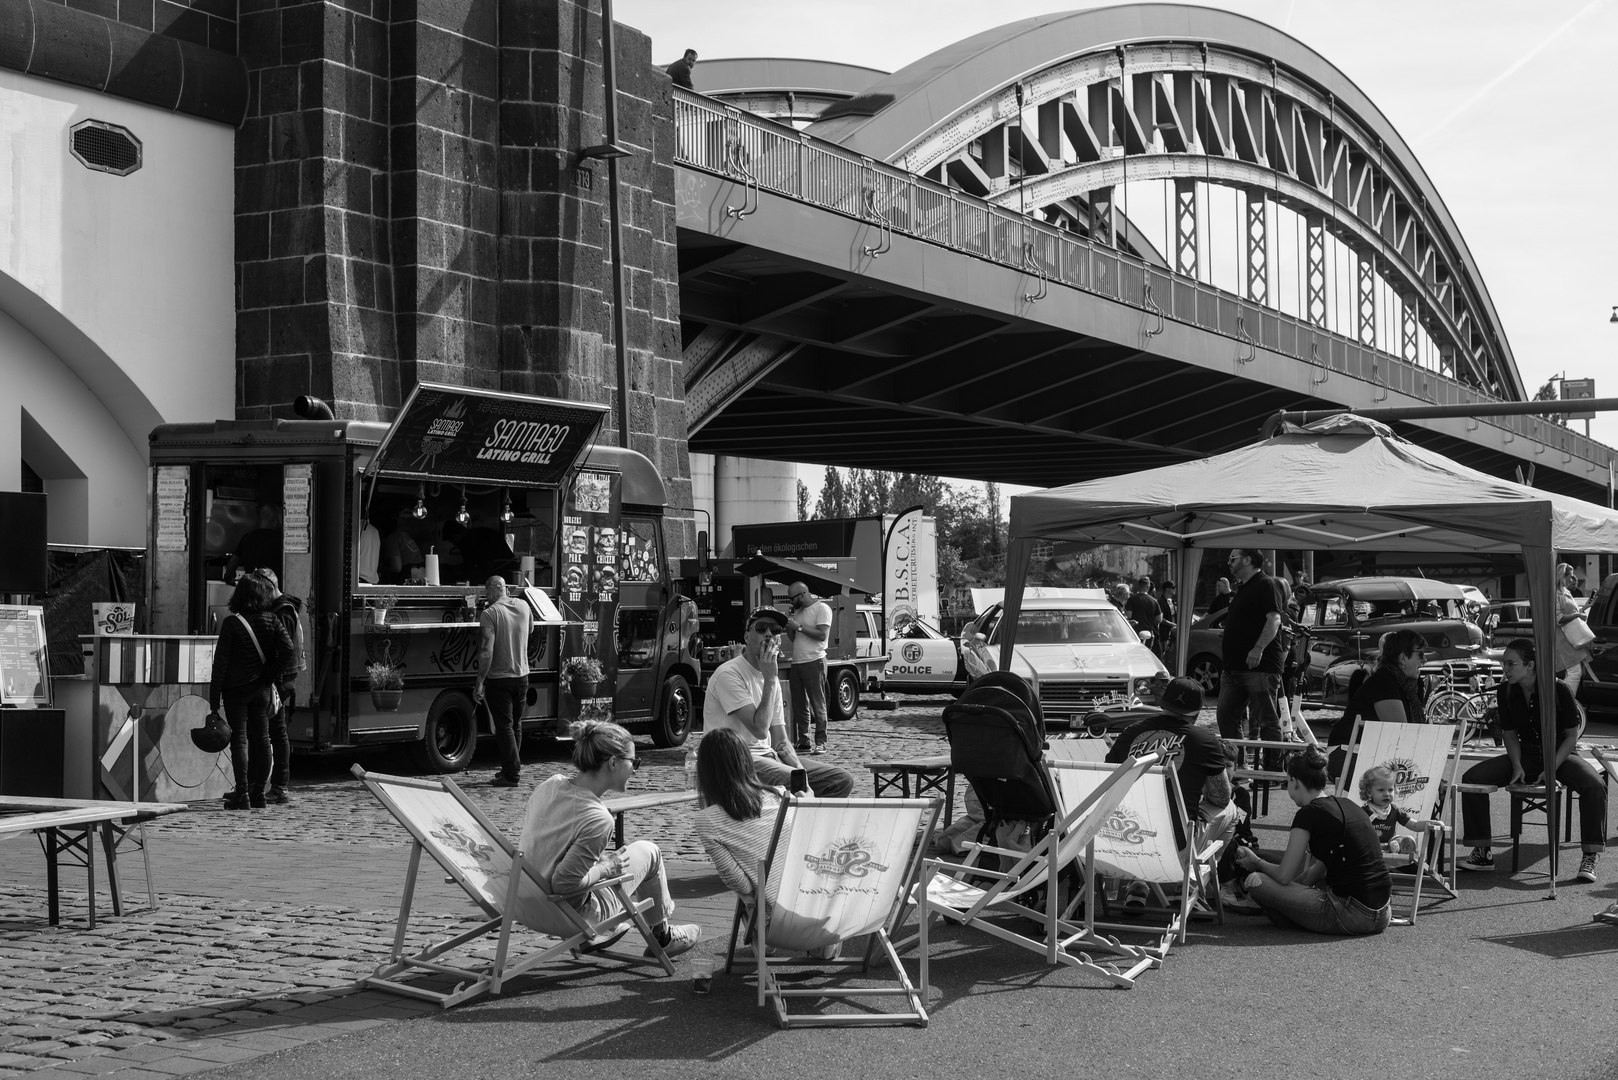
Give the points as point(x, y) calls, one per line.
point(799, 783)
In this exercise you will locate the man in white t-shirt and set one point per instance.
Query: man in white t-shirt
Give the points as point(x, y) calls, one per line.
point(808, 629)
point(744, 695)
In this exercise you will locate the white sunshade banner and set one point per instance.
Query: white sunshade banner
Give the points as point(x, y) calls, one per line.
point(841, 872)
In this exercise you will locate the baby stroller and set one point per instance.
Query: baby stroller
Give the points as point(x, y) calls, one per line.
point(996, 734)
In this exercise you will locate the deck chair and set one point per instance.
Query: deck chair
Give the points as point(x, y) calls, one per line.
point(472, 850)
point(1423, 758)
point(949, 893)
point(1149, 838)
point(843, 871)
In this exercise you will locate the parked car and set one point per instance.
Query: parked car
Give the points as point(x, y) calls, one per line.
point(1078, 650)
point(1599, 688)
point(1346, 619)
point(924, 660)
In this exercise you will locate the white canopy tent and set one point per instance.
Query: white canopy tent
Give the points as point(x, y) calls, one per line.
point(1344, 482)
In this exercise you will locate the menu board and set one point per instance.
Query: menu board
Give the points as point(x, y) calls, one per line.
point(173, 519)
point(297, 483)
point(588, 589)
point(23, 670)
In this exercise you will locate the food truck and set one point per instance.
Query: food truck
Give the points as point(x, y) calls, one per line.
point(386, 533)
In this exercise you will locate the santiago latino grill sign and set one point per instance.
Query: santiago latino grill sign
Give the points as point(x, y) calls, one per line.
point(482, 436)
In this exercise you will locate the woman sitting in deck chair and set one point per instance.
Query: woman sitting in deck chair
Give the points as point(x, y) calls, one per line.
point(739, 817)
point(567, 837)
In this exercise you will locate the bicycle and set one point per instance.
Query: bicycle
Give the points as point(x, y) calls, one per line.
point(1467, 697)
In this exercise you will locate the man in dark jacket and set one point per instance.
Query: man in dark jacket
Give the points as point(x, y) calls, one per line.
point(680, 70)
point(287, 611)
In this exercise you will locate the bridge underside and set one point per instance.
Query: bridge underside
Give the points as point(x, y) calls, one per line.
point(790, 358)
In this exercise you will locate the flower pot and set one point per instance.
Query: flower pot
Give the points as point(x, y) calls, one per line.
point(386, 700)
point(379, 616)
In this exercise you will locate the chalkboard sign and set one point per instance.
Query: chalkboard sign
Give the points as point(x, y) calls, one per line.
point(23, 668)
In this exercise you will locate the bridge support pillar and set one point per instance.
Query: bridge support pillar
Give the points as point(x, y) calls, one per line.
point(1315, 270)
point(1185, 226)
point(742, 491)
point(1258, 268)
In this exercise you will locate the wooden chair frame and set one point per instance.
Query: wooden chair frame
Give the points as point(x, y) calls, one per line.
point(476, 977)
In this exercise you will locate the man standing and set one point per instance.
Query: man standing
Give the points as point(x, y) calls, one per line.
point(744, 695)
point(285, 609)
point(1169, 621)
point(1251, 675)
point(808, 629)
point(503, 672)
point(680, 70)
point(1142, 609)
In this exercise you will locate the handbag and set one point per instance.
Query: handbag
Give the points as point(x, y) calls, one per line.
point(275, 693)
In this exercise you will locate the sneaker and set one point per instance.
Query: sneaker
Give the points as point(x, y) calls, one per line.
point(234, 801)
point(1239, 903)
point(1608, 914)
point(820, 748)
point(1137, 895)
point(276, 795)
point(502, 780)
point(804, 746)
point(256, 801)
point(681, 938)
point(829, 952)
point(1587, 868)
point(1480, 859)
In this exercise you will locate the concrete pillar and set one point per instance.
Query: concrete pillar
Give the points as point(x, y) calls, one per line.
point(750, 491)
point(702, 495)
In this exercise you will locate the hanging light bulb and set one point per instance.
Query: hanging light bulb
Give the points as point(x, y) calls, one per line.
point(506, 515)
point(461, 516)
point(420, 510)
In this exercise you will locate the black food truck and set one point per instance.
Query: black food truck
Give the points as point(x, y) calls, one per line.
point(386, 534)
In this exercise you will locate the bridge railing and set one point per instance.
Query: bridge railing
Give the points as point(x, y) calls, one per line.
point(752, 151)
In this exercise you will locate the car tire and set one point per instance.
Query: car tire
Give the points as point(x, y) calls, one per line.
point(843, 701)
point(1205, 668)
point(672, 723)
point(451, 735)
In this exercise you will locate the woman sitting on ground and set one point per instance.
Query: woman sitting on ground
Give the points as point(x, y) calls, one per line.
point(1392, 694)
point(738, 820)
point(1344, 888)
point(567, 837)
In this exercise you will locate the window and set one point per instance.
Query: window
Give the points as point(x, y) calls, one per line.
point(637, 638)
point(641, 557)
point(1333, 613)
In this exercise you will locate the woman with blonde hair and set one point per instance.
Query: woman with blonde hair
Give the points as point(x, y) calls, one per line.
point(567, 837)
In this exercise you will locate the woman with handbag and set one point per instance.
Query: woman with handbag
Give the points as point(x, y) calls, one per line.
point(1573, 633)
point(252, 655)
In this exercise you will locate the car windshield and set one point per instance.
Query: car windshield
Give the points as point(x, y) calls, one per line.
point(1048, 626)
point(1406, 610)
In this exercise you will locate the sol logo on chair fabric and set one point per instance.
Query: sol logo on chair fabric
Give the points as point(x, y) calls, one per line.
point(854, 857)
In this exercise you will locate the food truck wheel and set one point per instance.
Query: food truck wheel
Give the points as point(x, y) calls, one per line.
point(451, 737)
point(845, 695)
point(673, 721)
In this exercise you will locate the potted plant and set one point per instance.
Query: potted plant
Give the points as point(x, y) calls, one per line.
point(580, 674)
point(379, 606)
point(387, 686)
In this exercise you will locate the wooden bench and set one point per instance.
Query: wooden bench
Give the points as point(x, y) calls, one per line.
point(932, 776)
point(68, 826)
point(619, 805)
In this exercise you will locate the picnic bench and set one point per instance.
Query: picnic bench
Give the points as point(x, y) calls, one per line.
point(69, 826)
point(619, 805)
point(931, 776)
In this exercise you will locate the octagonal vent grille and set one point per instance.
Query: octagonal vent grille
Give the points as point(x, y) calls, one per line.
point(106, 147)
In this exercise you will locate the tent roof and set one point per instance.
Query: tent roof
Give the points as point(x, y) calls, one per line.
point(1345, 482)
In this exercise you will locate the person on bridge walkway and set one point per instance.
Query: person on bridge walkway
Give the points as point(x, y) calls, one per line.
point(1250, 679)
point(808, 629)
point(680, 70)
point(744, 695)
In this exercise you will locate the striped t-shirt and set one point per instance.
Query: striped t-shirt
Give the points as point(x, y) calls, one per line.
point(736, 846)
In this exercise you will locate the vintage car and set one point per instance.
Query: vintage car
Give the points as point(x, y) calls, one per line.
point(1347, 618)
point(923, 660)
point(1598, 690)
point(1078, 650)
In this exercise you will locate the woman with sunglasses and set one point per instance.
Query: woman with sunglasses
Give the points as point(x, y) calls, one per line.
point(1332, 878)
point(567, 839)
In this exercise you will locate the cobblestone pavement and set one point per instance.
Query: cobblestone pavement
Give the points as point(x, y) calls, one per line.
point(269, 918)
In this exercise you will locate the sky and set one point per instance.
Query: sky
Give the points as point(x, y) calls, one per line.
point(1508, 105)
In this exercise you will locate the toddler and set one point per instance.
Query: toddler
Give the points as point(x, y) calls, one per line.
point(1376, 790)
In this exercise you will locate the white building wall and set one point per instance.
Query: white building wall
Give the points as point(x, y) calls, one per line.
point(117, 291)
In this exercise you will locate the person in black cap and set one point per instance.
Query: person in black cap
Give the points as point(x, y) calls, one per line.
point(744, 695)
point(1197, 753)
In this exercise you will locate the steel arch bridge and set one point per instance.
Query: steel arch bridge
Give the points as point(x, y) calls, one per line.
point(1177, 220)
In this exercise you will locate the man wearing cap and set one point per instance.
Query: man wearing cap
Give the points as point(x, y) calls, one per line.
point(744, 695)
point(286, 610)
point(1198, 755)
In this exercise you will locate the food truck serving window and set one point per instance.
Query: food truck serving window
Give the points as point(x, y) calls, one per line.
point(414, 519)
